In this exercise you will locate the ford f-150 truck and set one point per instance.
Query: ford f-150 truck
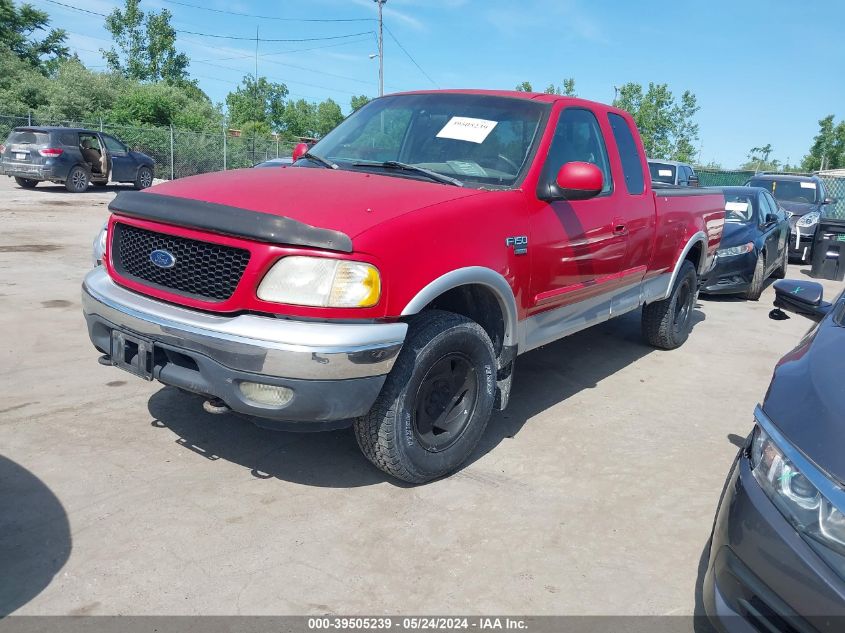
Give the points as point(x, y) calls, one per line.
point(391, 276)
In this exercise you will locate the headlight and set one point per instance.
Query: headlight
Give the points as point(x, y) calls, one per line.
point(99, 248)
point(809, 219)
point(735, 250)
point(806, 497)
point(319, 281)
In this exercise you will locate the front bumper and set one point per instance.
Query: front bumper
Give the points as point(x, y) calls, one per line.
point(730, 274)
point(761, 574)
point(335, 370)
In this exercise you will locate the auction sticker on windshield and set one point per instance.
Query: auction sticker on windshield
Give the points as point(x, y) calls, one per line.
point(808, 185)
point(664, 172)
point(462, 128)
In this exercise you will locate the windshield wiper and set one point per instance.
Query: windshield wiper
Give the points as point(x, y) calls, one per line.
point(395, 164)
point(320, 160)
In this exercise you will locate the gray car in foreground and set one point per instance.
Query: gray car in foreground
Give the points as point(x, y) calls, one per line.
point(777, 553)
point(74, 157)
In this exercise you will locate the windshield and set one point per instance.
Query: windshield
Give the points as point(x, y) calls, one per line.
point(661, 172)
point(481, 140)
point(27, 137)
point(789, 190)
point(739, 208)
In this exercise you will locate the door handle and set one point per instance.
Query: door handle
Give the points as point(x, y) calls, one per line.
point(620, 229)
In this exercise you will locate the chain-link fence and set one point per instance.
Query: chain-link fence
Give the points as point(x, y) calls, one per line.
point(177, 153)
point(726, 178)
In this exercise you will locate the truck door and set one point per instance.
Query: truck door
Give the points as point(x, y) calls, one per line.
point(123, 166)
point(578, 247)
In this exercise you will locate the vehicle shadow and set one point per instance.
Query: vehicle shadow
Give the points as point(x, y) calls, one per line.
point(35, 539)
point(50, 188)
point(332, 458)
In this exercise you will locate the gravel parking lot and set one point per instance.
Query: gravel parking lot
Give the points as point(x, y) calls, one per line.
point(593, 494)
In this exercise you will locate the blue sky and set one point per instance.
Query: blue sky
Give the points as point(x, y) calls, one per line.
point(763, 71)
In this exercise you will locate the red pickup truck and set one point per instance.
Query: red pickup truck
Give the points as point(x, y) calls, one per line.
point(391, 276)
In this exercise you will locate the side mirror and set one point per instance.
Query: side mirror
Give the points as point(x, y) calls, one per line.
point(800, 297)
point(299, 150)
point(771, 218)
point(575, 181)
point(830, 201)
point(694, 182)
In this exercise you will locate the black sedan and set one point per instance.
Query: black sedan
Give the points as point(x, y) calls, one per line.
point(754, 244)
point(777, 552)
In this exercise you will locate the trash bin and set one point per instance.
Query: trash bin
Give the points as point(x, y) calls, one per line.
point(829, 250)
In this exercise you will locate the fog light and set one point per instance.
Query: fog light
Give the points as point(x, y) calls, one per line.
point(267, 395)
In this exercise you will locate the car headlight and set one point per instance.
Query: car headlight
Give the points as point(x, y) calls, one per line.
point(99, 247)
point(322, 282)
point(735, 250)
point(806, 497)
point(809, 219)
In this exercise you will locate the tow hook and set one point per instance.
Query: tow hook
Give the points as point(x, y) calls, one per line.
point(215, 406)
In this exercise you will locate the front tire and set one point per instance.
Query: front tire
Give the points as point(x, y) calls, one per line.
point(144, 178)
point(26, 183)
point(435, 403)
point(77, 180)
point(756, 288)
point(780, 272)
point(666, 324)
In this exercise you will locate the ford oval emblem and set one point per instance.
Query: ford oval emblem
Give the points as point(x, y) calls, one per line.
point(163, 259)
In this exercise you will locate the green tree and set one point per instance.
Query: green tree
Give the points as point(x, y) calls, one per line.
point(22, 87)
point(358, 102)
point(259, 104)
point(300, 118)
point(145, 45)
point(525, 86)
point(568, 88)
point(828, 148)
point(327, 116)
point(667, 126)
point(17, 27)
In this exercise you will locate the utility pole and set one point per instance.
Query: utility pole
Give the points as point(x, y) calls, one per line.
point(380, 3)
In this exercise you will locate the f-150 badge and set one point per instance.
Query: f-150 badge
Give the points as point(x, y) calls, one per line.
point(519, 244)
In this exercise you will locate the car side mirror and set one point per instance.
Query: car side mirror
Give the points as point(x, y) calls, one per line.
point(574, 181)
point(830, 201)
point(693, 181)
point(799, 297)
point(299, 151)
point(771, 218)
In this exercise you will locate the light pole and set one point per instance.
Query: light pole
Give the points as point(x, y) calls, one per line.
point(380, 3)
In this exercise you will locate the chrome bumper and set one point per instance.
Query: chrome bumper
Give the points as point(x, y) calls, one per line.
point(275, 347)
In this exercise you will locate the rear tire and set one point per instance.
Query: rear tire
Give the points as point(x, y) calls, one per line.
point(77, 180)
point(26, 183)
point(756, 288)
point(435, 403)
point(666, 324)
point(780, 271)
point(144, 178)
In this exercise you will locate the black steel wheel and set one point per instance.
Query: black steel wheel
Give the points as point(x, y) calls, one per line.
point(667, 323)
point(436, 401)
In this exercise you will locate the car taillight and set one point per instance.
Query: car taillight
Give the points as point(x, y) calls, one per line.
point(50, 152)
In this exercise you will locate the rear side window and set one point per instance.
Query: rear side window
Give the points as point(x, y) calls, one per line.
point(69, 138)
point(27, 137)
point(632, 166)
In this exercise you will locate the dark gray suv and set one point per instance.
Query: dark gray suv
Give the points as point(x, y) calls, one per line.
point(74, 157)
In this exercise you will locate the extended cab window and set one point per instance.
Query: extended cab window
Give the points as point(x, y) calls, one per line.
point(632, 166)
point(481, 140)
point(578, 138)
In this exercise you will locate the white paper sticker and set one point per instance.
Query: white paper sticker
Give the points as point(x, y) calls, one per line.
point(808, 185)
point(739, 207)
point(462, 128)
point(664, 172)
